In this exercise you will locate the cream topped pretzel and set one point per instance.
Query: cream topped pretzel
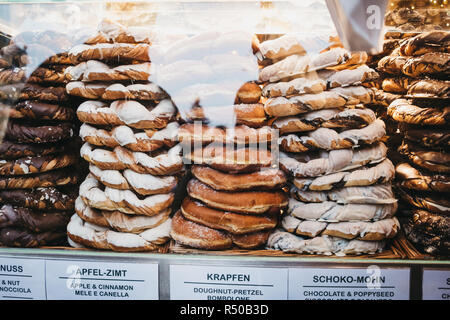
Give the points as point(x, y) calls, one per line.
point(124, 201)
point(332, 211)
point(142, 141)
point(117, 220)
point(130, 113)
point(165, 163)
point(326, 245)
point(333, 161)
point(93, 70)
point(141, 183)
point(360, 230)
point(382, 172)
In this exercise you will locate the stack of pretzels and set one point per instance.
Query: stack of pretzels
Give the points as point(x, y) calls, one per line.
point(235, 197)
point(130, 143)
point(420, 69)
point(39, 166)
point(340, 198)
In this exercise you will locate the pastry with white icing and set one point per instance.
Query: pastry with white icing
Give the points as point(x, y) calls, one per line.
point(141, 183)
point(93, 70)
point(382, 172)
point(117, 220)
point(120, 158)
point(93, 236)
point(325, 245)
point(329, 139)
point(127, 112)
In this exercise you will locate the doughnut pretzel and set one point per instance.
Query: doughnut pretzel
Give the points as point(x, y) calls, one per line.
point(413, 179)
point(125, 201)
point(53, 178)
point(247, 202)
point(349, 118)
point(375, 194)
point(35, 221)
point(120, 158)
point(359, 230)
point(199, 236)
point(48, 198)
point(403, 110)
point(32, 133)
point(117, 220)
point(332, 211)
point(329, 139)
point(326, 245)
point(42, 111)
point(382, 172)
point(264, 179)
point(130, 113)
point(225, 220)
point(93, 70)
point(97, 237)
point(30, 165)
point(109, 51)
point(332, 161)
point(143, 184)
point(142, 141)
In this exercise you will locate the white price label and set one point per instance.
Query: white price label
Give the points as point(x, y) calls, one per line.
point(372, 283)
point(436, 284)
point(22, 279)
point(83, 280)
point(227, 283)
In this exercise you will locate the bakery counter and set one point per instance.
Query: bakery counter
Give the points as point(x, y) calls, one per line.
point(61, 273)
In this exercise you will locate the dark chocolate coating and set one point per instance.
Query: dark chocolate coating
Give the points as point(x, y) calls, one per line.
point(27, 133)
point(42, 111)
point(37, 92)
point(16, 237)
point(13, 150)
